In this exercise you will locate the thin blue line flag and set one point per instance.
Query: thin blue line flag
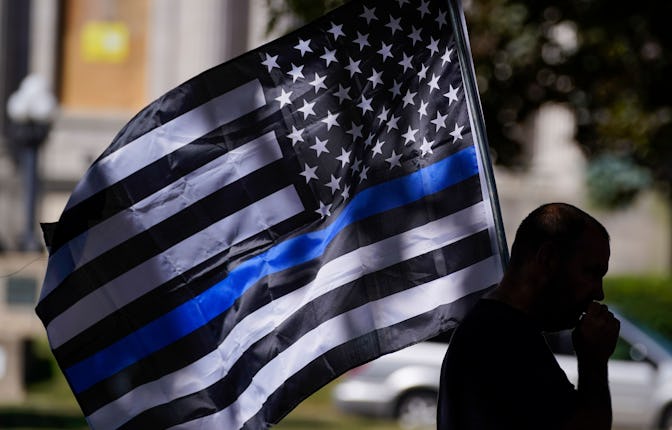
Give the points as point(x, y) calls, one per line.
point(273, 222)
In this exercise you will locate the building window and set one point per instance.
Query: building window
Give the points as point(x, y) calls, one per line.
point(104, 62)
point(21, 291)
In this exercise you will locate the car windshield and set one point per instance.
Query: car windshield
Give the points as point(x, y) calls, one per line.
point(663, 341)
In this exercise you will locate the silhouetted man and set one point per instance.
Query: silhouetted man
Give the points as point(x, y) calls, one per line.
point(498, 372)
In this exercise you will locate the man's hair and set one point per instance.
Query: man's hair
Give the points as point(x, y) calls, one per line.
point(559, 223)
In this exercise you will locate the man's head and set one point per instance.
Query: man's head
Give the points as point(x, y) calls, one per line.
point(564, 252)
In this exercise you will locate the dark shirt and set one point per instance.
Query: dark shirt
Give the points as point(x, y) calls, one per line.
point(499, 373)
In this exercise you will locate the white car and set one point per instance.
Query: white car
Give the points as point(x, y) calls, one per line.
point(404, 384)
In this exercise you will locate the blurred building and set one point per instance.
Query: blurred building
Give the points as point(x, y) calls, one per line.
point(106, 59)
point(641, 234)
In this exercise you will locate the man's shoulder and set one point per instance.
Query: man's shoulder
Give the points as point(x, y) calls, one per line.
point(493, 326)
point(493, 315)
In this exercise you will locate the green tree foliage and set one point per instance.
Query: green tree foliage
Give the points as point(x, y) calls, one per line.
point(646, 299)
point(610, 61)
point(301, 10)
point(607, 60)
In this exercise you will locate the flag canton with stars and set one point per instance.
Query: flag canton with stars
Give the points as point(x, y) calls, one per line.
point(367, 99)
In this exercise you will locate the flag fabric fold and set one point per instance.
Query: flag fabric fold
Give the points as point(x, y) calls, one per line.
point(273, 222)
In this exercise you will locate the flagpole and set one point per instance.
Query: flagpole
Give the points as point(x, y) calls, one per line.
point(478, 125)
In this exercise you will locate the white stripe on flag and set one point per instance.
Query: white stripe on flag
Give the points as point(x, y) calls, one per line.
point(340, 271)
point(185, 255)
point(169, 137)
point(157, 207)
point(372, 316)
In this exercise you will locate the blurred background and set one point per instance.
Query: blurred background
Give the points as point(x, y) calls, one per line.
point(576, 96)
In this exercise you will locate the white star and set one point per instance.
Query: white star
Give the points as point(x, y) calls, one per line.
point(369, 140)
point(295, 135)
point(394, 24)
point(422, 74)
point(433, 46)
point(355, 131)
point(424, 9)
point(369, 15)
point(309, 173)
point(303, 46)
point(330, 120)
point(406, 62)
point(433, 83)
point(451, 94)
point(307, 109)
point(365, 105)
point(271, 62)
point(318, 82)
point(334, 184)
point(329, 56)
point(439, 121)
point(364, 174)
point(445, 58)
point(357, 165)
point(394, 160)
point(409, 136)
point(320, 146)
point(396, 89)
point(342, 93)
point(378, 149)
point(283, 98)
point(362, 40)
point(402, 3)
point(344, 158)
point(336, 30)
point(392, 123)
point(383, 115)
point(441, 19)
point(408, 98)
point(375, 77)
point(426, 146)
point(457, 133)
point(386, 51)
point(415, 35)
point(353, 67)
point(423, 108)
point(296, 72)
point(346, 192)
point(324, 210)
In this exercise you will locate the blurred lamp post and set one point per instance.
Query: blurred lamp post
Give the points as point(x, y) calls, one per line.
point(31, 109)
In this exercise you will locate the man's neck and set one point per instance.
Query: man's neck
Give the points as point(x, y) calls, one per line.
point(520, 296)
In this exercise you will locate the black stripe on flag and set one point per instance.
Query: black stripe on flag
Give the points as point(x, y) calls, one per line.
point(368, 288)
point(189, 95)
point(379, 227)
point(359, 350)
point(174, 293)
point(139, 185)
point(173, 230)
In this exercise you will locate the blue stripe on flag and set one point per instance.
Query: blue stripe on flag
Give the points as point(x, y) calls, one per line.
point(200, 310)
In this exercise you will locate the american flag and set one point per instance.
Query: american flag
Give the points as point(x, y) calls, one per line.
point(273, 222)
